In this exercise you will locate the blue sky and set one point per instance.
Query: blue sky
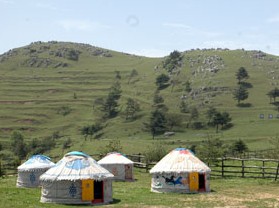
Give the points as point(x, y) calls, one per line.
point(144, 27)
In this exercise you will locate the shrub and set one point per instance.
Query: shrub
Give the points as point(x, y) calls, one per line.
point(155, 152)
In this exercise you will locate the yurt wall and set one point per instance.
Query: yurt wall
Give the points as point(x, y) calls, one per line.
point(29, 179)
point(121, 172)
point(180, 171)
point(77, 192)
point(77, 179)
point(30, 171)
point(181, 183)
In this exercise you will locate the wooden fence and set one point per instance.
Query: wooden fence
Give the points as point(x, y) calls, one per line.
point(230, 167)
point(222, 167)
point(245, 168)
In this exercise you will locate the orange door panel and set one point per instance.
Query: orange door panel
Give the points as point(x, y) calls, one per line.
point(194, 181)
point(87, 193)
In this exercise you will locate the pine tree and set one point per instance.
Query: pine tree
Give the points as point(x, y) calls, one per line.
point(157, 123)
point(110, 105)
point(241, 75)
point(131, 108)
point(240, 93)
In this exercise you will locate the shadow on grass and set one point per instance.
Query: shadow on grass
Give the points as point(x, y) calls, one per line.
point(228, 126)
point(244, 105)
point(115, 201)
point(246, 85)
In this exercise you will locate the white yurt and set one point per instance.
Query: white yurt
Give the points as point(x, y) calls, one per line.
point(180, 171)
point(77, 179)
point(30, 171)
point(119, 165)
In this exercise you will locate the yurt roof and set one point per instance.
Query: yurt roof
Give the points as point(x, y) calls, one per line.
point(115, 158)
point(36, 162)
point(76, 166)
point(180, 160)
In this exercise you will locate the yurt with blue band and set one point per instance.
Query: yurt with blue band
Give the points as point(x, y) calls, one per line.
point(77, 179)
point(180, 171)
point(119, 165)
point(30, 171)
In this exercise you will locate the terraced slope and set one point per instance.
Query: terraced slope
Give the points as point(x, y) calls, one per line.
point(54, 87)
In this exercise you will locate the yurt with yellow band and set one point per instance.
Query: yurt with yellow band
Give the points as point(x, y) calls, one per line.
point(180, 171)
point(77, 179)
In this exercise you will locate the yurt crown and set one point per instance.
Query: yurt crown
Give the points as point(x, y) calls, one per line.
point(76, 153)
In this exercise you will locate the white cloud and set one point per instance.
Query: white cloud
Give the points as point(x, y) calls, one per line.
point(176, 25)
point(81, 25)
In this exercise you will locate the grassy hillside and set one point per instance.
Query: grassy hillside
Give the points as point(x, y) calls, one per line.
point(38, 81)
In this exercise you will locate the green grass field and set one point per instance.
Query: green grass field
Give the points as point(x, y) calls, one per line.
point(252, 193)
point(31, 96)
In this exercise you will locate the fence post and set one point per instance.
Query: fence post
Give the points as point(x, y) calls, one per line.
point(222, 167)
point(242, 163)
point(146, 167)
point(263, 170)
point(277, 171)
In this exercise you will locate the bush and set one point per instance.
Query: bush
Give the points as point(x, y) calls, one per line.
point(197, 125)
point(72, 55)
point(67, 143)
point(155, 152)
point(64, 110)
point(112, 146)
point(239, 147)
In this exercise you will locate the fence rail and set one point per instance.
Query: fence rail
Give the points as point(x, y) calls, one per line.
point(245, 168)
point(230, 167)
point(221, 167)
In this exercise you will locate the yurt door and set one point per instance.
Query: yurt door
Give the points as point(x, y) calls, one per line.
point(194, 181)
point(87, 193)
point(128, 172)
point(98, 191)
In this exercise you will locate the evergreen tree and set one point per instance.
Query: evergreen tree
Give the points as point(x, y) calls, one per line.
point(162, 81)
point(239, 146)
point(240, 93)
point(241, 75)
point(131, 108)
point(17, 144)
point(110, 105)
point(90, 130)
point(158, 101)
point(173, 61)
point(273, 94)
point(221, 119)
point(133, 73)
point(210, 113)
point(157, 123)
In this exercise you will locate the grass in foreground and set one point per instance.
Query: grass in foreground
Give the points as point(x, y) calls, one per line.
point(236, 192)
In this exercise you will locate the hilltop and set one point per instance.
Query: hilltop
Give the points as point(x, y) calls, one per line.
point(54, 88)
